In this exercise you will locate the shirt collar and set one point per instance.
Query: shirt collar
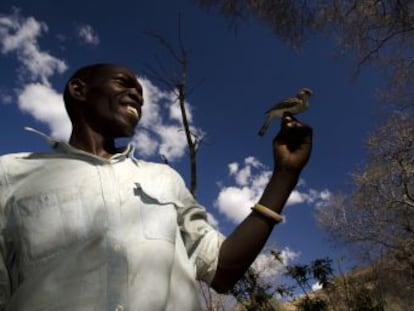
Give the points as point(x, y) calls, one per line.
point(64, 147)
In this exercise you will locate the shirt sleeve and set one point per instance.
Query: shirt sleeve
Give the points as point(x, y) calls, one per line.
point(4, 278)
point(201, 240)
point(4, 275)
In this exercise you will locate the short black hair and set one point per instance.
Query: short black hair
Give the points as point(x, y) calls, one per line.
point(84, 74)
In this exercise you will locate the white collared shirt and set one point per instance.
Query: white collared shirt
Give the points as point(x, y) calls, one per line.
point(82, 233)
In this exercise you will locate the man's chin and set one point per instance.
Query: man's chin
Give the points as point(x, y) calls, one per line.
point(126, 133)
point(122, 133)
point(126, 130)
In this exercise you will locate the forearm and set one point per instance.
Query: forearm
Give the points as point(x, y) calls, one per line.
point(242, 246)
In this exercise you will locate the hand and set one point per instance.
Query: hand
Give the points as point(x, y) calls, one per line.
point(293, 144)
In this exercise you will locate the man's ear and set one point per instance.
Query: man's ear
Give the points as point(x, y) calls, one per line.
point(77, 89)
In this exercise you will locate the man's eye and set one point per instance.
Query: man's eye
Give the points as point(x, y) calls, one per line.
point(121, 80)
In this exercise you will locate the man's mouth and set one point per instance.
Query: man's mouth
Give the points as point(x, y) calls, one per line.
point(132, 110)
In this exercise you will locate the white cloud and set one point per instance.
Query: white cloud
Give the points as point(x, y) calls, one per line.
point(252, 161)
point(287, 255)
point(19, 35)
point(243, 176)
point(235, 202)
point(160, 129)
point(151, 110)
point(88, 35)
point(175, 111)
point(212, 220)
point(325, 195)
point(144, 144)
point(316, 286)
point(296, 197)
point(309, 196)
point(46, 105)
point(250, 178)
point(269, 267)
point(5, 97)
point(233, 168)
point(172, 141)
point(161, 120)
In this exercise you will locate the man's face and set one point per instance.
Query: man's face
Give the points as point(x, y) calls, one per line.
point(113, 101)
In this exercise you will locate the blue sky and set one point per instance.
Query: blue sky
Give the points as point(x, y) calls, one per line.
point(237, 76)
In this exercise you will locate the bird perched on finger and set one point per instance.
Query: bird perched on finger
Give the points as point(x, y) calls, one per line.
point(293, 105)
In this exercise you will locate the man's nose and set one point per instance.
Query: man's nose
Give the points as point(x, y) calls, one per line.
point(135, 95)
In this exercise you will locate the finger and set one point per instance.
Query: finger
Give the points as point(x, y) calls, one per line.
point(293, 131)
point(288, 121)
point(287, 116)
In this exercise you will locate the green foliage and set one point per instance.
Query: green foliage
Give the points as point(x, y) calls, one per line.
point(316, 304)
point(377, 218)
point(319, 270)
point(364, 300)
point(357, 290)
point(322, 271)
point(251, 292)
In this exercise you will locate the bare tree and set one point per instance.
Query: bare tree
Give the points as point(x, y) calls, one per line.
point(178, 83)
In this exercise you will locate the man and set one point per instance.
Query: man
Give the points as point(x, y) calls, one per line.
point(89, 227)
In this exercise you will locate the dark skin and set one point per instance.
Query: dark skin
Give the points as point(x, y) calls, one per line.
point(291, 151)
point(108, 106)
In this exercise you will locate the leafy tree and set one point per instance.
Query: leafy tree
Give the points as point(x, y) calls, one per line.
point(354, 291)
point(316, 304)
point(253, 293)
point(322, 271)
point(300, 273)
point(376, 220)
point(304, 275)
point(378, 216)
point(372, 31)
point(358, 289)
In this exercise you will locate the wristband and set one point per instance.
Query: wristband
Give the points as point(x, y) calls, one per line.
point(265, 211)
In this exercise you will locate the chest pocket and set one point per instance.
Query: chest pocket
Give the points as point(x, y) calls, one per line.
point(49, 222)
point(159, 219)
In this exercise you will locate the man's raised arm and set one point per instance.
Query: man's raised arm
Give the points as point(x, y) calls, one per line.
point(291, 149)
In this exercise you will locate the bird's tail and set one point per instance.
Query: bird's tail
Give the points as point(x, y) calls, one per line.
point(262, 131)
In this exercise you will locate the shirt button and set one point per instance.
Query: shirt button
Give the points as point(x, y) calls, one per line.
point(119, 308)
point(117, 248)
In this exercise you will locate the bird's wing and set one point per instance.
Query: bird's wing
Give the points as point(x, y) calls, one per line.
point(286, 104)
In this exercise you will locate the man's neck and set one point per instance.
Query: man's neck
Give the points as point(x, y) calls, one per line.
point(92, 142)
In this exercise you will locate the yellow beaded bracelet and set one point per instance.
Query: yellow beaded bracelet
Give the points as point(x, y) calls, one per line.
point(265, 211)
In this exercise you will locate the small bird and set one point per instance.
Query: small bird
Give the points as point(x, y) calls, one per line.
point(293, 105)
